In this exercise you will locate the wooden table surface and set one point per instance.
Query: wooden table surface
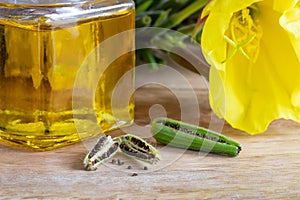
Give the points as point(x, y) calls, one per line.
point(268, 166)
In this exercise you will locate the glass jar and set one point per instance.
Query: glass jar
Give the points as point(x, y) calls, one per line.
point(54, 71)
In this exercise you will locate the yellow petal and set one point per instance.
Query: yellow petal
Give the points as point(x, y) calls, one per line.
point(220, 13)
point(290, 21)
point(282, 5)
point(250, 95)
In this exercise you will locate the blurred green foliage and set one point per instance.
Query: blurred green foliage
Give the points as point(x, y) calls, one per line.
point(177, 15)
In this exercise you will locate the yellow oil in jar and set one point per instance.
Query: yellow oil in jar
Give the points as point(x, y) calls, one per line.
point(38, 69)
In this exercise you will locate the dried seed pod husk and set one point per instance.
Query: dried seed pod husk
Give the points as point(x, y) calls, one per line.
point(104, 149)
point(138, 148)
point(183, 135)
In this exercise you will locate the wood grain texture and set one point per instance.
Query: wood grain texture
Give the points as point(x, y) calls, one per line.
point(267, 167)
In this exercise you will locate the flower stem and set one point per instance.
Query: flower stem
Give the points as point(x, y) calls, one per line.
point(177, 18)
point(143, 21)
point(143, 6)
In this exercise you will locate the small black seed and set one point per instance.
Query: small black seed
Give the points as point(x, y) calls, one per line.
point(120, 162)
point(113, 161)
point(145, 168)
point(134, 174)
point(129, 167)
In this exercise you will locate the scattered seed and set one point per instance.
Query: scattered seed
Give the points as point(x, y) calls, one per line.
point(134, 174)
point(120, 162)
point(129, 167)
point(113, 161)
point(145, 168)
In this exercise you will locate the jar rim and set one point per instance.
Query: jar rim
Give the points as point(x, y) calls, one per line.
point(58, 13)
point(40, 3)
point(58, 3)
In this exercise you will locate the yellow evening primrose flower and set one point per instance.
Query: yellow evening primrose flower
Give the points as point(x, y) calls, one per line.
point(253, 47)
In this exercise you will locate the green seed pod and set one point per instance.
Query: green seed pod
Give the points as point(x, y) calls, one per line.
point(136, 147)
point(104, 149)
point(182, 135)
